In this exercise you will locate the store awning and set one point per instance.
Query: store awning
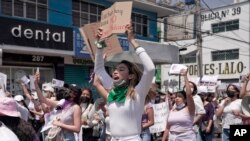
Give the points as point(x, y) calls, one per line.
point(159, 53)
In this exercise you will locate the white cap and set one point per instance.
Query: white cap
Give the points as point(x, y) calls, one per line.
point(18, 98)
point(49, 88)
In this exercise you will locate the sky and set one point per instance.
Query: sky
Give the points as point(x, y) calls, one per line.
point(217, 3)
point(211, 3)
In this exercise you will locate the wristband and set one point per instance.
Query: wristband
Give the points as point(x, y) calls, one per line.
point(100, 44)
point(137, 47)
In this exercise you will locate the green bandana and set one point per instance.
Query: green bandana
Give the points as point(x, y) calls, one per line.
point(118, 94)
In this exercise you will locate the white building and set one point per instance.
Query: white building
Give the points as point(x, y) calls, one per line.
point(225, 47)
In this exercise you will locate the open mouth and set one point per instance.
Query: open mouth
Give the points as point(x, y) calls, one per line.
point(115, 77)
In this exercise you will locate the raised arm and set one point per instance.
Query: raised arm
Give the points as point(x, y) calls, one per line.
point(99, 69)
point(148, 65)
point(25, 91)
point(243, 90)
point(190, 100)
point(41, 98)
point(98, 85)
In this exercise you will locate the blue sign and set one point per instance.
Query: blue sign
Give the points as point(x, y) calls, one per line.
point(124, 44)
point(80, 48)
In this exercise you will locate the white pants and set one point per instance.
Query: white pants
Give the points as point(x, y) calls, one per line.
point(182, 136)
point(127, 138)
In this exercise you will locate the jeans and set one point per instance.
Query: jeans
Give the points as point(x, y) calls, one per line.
point(202, 136)
point(87, 135)
point(145, 135)
point(225, 134)
point(69, 136)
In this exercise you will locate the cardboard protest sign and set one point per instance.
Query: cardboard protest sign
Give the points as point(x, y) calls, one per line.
point(115, 18)
point(161, 112)
point(176, 68)
point(209, 80)
point(89, 32)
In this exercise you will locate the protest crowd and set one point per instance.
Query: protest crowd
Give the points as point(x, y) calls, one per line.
point(131, 106)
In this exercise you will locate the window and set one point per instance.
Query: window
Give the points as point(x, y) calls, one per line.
point(32, 9)
point(191, 58)
point(225, 55)
point(140, 24)
point(225, 26)
point(84, 12)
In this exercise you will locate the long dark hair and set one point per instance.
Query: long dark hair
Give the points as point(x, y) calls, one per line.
point(91, 94)
point(236, 89)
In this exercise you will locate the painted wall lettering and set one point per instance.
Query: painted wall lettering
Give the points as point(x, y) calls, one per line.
point(219, 68)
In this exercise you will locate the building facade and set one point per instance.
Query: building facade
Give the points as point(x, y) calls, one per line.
point(225, 45)
point(45, 34)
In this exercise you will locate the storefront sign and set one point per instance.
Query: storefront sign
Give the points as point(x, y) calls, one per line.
point(36, 35)
point(12, 57)
point(218, 15)
point(219, 68)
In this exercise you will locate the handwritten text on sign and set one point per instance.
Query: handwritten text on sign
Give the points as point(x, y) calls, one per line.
point(160, 117)
point(115, 18)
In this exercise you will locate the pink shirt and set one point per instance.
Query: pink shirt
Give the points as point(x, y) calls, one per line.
point(180, 121)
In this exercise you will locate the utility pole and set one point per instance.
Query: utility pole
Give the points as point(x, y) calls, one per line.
point(198, 38)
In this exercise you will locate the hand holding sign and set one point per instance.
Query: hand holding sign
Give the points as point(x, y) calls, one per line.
point(176, 68)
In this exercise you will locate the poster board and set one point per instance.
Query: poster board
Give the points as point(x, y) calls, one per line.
point(89, 32)
point(115, 18)
point(161, 112)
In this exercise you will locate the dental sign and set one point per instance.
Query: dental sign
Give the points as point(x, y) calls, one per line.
point(36, 35)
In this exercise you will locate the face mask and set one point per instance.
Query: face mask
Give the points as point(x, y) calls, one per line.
point(119, 83)
point(179, 107)
point(84, 99)
point(230, 94)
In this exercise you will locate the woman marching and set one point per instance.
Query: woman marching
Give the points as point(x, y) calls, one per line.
point(128, 89)
point(181, 117)
point(69, 118)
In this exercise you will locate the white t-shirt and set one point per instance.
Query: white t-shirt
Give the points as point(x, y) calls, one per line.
point(228, 117)
point(199, 108)
point(7, 134)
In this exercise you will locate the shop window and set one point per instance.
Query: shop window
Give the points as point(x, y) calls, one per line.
point(190, 58)
point(31, 9)
point(225, 26)
point(84, 12)
point(14, 74)
point(225, 55)
point(140, 24)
